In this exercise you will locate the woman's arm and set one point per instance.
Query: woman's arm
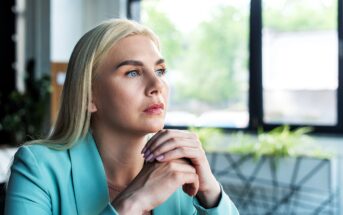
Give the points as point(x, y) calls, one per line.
point(26, 193)
point(168, 145)
point(154, 185)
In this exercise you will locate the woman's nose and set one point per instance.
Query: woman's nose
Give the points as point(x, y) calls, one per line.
point(155, 85)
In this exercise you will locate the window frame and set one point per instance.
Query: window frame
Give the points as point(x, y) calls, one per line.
point(255, 101)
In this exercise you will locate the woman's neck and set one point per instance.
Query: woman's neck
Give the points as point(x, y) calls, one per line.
point(120, 154)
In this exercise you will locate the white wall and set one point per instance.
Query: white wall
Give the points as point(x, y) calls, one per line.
point(32, 38)
point(71, 19)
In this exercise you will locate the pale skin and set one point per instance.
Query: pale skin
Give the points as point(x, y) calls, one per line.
point(130, 78)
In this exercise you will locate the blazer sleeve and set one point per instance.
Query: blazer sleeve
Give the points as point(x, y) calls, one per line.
point(224, 207)
point(26, 192)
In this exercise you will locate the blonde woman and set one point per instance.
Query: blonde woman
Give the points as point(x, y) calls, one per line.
point(97, 159)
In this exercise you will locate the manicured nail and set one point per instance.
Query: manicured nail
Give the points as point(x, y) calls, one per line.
point(160, 157)
point(147, 153)
point(149, 158)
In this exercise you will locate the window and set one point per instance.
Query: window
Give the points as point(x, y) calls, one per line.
point(207, 56)
point(300, 61)
point(248, 64)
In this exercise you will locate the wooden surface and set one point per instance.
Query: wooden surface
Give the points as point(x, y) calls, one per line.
point(58, 70)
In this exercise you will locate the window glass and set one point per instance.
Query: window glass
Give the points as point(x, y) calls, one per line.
point(300, 61)
point(205, 44)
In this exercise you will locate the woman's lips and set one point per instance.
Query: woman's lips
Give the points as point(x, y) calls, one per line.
point(155, 109)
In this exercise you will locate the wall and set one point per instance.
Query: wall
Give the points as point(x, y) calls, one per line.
point(71, 19)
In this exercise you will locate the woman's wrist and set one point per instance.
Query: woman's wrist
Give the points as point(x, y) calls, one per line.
point(127, 205)
point(210, 198)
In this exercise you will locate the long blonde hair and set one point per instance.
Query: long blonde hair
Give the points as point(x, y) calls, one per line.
point(73, 120)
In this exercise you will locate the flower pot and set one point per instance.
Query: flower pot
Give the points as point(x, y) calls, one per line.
point(300, 185)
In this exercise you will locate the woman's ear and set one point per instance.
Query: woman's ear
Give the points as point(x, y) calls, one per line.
point(92, 107)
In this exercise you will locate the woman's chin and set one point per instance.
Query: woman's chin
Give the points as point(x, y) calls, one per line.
point(154, 127)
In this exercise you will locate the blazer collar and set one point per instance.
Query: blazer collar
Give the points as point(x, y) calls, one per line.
point(89, 178)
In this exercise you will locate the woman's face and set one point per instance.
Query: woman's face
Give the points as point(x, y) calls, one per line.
point(130, 92)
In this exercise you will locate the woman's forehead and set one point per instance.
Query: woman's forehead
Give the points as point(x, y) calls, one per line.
point(137, 47)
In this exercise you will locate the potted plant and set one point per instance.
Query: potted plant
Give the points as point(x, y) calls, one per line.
point(25, 112)
point(276, 172)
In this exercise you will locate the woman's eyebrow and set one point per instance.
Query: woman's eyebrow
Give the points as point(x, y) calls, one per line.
point(128, 62)
point(159, 61)
point(135, 63)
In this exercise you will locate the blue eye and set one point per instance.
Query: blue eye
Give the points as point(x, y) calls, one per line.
point(161, 72)
point(132, 74)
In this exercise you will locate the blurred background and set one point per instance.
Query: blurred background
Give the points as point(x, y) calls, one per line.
point(260, 80)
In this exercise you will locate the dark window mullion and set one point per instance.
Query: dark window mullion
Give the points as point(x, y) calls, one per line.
point(255, 66)
point(133, 9)
point(340, 66)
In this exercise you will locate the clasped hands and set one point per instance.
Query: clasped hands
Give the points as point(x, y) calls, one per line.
point(174, 158)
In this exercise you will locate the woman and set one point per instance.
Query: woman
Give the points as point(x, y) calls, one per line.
point(97, 159)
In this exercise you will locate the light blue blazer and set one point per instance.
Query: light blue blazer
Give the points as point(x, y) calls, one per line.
point(73, 181)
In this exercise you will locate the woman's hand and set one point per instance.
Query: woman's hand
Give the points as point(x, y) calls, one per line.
point(168, 145)
point(155, 184)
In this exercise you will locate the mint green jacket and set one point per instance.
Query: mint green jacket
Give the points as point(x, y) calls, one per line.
point(73, 181)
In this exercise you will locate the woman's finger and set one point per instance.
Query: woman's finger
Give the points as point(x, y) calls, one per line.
point(169, 145)
point(181, 166)
point(187, 178)
point(169, 136)
point(152, 139)
point(191, 189)
point(195, 154)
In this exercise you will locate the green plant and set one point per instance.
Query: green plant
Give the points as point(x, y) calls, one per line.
point(25, 112)
point(277, 143)
point(209, 137)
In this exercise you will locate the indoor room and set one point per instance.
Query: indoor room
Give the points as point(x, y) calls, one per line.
point(257, 85)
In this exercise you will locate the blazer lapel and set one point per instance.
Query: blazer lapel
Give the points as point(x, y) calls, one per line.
point(89, 178)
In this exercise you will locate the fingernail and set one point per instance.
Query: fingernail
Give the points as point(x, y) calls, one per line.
point(149, 158)
point(147, 153)
point(160, 157)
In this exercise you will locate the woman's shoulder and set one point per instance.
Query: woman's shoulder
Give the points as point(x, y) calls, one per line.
point(42, 156)
point(42, 151)
point(37, 175)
